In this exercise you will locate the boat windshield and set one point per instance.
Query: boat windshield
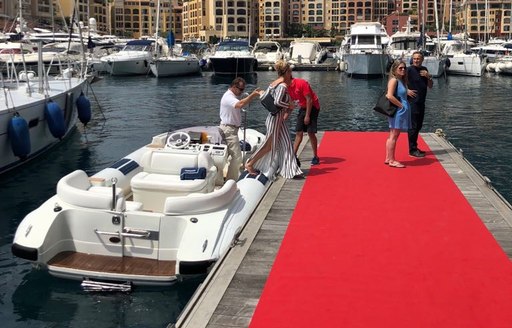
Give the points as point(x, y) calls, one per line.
point(136, 47)
point(233, 47)
point(266, 47)
point(194, 48)
point(366, 40)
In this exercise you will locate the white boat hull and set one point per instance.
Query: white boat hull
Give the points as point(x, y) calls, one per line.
point(153, 227)
point(129, 66)
point(366, 65)
point(175, 66)
point(435, 66)
point(466, 64)
point(30, 106)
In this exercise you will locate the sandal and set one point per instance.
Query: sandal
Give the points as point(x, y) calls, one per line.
point(396, 164)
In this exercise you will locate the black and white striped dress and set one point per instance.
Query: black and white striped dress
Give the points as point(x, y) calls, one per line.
point(281, 159)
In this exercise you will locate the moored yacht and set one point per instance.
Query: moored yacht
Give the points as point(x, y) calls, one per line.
point(267, 53)
point(133, 59)
point(403, 44)
point(462, 61)
point(365, 56)
point(37, 112)
point(233, 57)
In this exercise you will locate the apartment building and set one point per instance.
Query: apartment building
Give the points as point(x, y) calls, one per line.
point(274, 17)
point(209, 20)
point(265, 19)
point(138, 18)
point(492, 17)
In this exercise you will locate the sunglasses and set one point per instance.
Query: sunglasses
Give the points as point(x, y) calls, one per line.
point(401, 67)
point(241, 89)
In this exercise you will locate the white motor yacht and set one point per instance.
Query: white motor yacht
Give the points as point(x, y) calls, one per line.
point(233, 57)
point(365, 56)
point(133, 59)
point(267, 53)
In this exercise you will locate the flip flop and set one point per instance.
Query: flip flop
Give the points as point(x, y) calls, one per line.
point(396, 165)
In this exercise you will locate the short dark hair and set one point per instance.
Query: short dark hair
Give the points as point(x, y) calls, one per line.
point(237, 81)
point(417, 52)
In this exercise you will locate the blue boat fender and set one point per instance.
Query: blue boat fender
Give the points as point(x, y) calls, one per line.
point(83, 106)
point(19, 135)
point(55, 118)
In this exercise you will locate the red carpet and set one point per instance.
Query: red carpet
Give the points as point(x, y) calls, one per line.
point(374, 246)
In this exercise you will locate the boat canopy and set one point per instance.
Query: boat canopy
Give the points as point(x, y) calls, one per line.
point(140, 43)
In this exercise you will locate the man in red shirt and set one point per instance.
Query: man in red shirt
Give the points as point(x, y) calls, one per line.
point(309, 106)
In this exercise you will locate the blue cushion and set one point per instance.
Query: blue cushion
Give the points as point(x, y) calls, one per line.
point(192, 173)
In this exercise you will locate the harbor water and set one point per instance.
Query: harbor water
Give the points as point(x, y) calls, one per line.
point(474, 113)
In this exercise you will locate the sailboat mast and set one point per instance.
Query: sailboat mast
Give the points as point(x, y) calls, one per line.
point(21, 17)
point(157, 19)
point(157, 25)
point(249, 17)
point(224, 20)
point(450, 21)
point(438, 44)
point(423, 38)
point(486, 21)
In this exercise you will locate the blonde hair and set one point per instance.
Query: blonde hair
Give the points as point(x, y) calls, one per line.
point(393, 71)
point(281, 67)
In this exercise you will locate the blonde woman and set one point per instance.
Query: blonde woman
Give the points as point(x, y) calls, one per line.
point(397, 94)
point(276, 154)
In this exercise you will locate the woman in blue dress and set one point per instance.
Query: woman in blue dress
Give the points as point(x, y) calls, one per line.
point(397, 94)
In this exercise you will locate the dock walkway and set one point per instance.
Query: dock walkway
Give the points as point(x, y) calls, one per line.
point(230, 293)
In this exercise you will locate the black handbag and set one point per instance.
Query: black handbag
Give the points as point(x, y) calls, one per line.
point(268, 101)
point(384, 106)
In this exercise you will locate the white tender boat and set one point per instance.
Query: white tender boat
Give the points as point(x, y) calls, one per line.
point(366, 56)
point(502, 65)
point(36, 113)
point(161, 213)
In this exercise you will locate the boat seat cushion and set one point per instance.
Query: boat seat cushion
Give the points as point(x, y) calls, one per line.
point(170, 171)
point(192, 173)
point(166, 182)
point(198, 203)
point(162, 176)
point(169, 162)
point(76, 189)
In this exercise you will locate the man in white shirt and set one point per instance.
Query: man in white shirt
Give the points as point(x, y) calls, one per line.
point(230, 121)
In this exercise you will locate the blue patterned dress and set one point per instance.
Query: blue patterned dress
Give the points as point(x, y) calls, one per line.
point(402, 118)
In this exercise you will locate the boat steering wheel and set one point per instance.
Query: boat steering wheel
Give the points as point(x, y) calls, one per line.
point(178, 140)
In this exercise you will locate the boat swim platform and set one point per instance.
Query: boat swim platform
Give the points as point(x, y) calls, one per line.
point(230, 293)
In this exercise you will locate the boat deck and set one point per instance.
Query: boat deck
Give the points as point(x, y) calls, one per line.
point(113, 264)
point(229, 295)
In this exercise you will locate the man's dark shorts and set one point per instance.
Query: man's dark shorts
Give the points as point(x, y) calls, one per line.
point(313, 119)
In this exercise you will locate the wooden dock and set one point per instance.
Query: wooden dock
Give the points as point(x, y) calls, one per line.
point(230, 293)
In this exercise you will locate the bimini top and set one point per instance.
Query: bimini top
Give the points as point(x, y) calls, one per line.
point(140, 42)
